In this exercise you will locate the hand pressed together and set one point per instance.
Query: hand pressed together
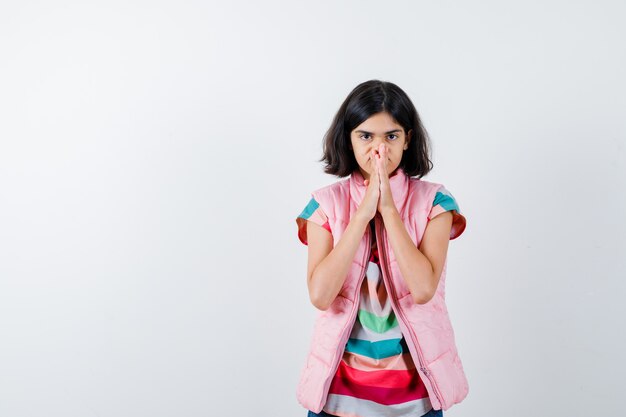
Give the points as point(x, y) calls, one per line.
point(378, 195)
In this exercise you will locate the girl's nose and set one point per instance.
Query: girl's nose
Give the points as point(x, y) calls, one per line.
point(376, 146)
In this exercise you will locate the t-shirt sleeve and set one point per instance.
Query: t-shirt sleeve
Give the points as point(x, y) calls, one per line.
point(314, 213)
point(445, 201)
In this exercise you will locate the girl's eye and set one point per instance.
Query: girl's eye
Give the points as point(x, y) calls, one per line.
point(365, 136)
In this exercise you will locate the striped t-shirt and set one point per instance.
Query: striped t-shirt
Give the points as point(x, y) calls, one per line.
point(376, 375)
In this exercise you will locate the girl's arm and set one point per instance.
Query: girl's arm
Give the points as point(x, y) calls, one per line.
point(421, 267)
point(327, 266)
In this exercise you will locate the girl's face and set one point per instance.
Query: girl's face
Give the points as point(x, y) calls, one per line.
point(379, 128)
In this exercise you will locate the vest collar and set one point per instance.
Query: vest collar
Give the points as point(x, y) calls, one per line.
point(399, 183)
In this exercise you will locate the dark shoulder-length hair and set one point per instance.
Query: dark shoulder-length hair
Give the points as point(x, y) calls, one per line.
point(365, 100)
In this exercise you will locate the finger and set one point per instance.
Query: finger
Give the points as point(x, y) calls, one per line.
point(380, 165)
point(383, 163)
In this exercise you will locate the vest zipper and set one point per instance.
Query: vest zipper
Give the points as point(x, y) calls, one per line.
point(400, 312)
point(348, 327)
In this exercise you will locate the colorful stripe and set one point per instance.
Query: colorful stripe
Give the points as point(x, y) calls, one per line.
point(361, 332)
point(314, 213)
point(411, 389)
point(377, 350)
point(377, 324)
point(348, 406)
point(383, 379)
point(445, 201)
point(365, 363)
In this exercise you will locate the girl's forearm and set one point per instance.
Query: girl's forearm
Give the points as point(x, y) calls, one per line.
point(414, 266)
point(329, 276)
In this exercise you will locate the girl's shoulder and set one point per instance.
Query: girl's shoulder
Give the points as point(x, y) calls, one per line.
point(421, 183)
point(341, 183)
point(330, 192)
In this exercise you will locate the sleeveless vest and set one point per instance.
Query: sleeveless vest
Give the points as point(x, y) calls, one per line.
point(426, 327)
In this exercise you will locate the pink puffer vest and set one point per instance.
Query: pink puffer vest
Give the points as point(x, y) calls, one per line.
point(426, 327)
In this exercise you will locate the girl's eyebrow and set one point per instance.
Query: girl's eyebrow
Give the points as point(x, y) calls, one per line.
point(386, 133)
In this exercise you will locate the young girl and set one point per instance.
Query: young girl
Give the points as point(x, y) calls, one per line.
point(383, 344)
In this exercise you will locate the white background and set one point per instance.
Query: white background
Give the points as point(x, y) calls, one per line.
point(154, 157)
